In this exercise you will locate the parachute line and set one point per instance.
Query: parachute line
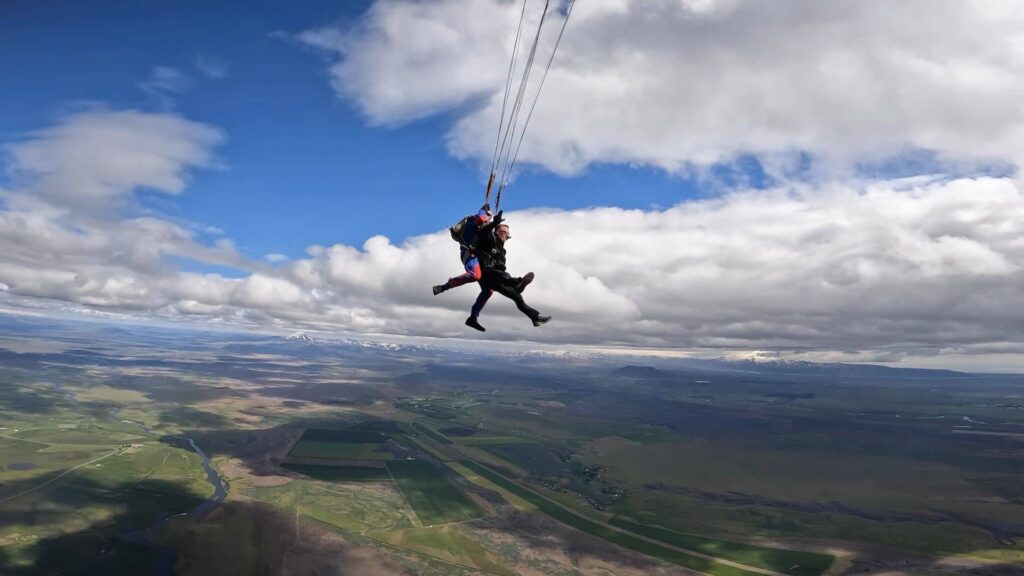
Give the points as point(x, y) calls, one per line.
point(509, 137)
point(510, 131)
point(508, 89)
point(510, 134)
point(536, 96)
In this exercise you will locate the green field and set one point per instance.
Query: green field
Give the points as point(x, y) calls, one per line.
point(890, 472)
point(348, 444)
point(491, 440)
point(786, 561)
point(339, 451)
point(90, 493)
point(755, 487)
point(605, 532)
point(340, 473)
point(361, 507)
point(434, 498)
point(422, 428)
point(346, 436)
point(91, 435)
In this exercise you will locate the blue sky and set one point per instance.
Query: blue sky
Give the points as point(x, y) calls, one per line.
point(700, 175)
point(300, 165)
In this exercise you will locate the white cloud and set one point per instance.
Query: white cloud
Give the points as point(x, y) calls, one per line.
point(907, 267)
point(885, 269)
point(673, 83)
point(91, 159)
point(70, 228)
point(451, 60)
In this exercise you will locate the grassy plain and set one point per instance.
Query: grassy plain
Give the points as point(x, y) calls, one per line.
point(96, 490)
point(785, 457)
point(476, 478)
point(605, 532)
point(339, 451)
point(345, 444)
point(491, 440)
point(449, 543)
point(360, 507)
point(430, 431)
point(434, 498)
point(927, 465)
point(746, 488)
point(340, 473)
point(786, 561)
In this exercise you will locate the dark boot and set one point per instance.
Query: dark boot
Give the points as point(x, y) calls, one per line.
point(539, 320)
point(524, 282)
point(439, 288)
point(472, 323)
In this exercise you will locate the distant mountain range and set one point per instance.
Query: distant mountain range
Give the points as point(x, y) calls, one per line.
point(780, 368)
point(302, 345)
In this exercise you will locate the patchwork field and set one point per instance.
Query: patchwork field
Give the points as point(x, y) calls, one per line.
point(489, 440)
point(434, 498)
point(431, 432)
point(356, 459)
point(367, 505)
point(786, 561)
point(328, 473)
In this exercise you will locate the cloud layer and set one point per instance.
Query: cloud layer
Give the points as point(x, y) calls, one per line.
point(892, 268)
point(834, 265)
point(72, 227)
point(678, 83)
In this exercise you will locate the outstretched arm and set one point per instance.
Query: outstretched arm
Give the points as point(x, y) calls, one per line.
point(498, 218)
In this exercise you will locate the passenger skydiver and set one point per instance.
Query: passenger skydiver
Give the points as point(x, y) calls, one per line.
point(490, 248)
point(465, 234)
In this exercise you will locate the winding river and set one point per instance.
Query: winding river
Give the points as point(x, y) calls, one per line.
point(167, 555)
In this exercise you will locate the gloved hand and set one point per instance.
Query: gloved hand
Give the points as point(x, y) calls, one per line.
point(498, 218)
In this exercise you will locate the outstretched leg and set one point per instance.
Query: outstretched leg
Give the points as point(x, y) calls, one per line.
point(508, 286)
point(512, 294)
point(472, 274)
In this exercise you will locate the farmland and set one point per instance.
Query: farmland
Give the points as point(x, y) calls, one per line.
point(333, 456)
point(341, 445)
point(603, 531)
point(434, 498)
point(786, 561)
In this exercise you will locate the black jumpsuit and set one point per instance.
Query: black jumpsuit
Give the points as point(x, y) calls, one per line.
point(491, 252)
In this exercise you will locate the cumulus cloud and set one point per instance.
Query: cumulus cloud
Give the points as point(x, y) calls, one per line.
point(91, 159)
point(453, 59)
point(880, 269)
point(674, 84)
point(71, 228)
point(913, 267)
point(904, 266)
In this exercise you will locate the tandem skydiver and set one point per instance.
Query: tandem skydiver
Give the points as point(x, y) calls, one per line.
point(490, 249)
point(482, 251)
